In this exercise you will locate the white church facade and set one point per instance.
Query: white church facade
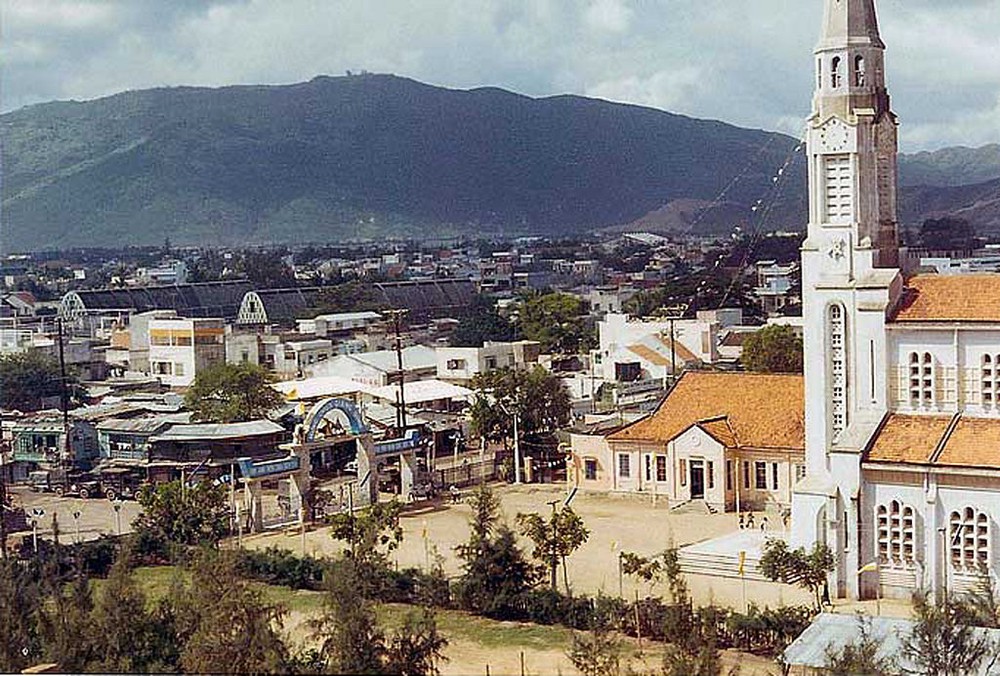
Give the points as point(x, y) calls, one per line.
point(902, 377)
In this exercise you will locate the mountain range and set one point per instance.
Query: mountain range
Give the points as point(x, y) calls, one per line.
point(371, 156)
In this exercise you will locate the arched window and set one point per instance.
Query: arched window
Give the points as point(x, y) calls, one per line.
point(922, 379)
point(837, 336)
point(969, 539)
point(835, 75)
point(896, 528)
point(859, 71)
point(990, 380)
point(819, 73)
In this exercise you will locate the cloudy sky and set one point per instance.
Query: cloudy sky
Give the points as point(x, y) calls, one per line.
point(743, 61)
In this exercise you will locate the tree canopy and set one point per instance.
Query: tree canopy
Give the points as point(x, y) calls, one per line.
point(186, 515)
point(948, 234)
point(558, 321)
point(773, 349)
point(538, 398)
point(481, 323)
point(232, 393)
point(28, 379)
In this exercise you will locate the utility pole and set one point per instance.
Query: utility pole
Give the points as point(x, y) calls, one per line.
point(396, 315)
point(553, 554)
point(3, 502)
point(674, 312)
point(65, 461)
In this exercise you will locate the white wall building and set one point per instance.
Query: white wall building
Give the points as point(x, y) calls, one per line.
point(902, 381)
point(461, 364)
point(179, 348)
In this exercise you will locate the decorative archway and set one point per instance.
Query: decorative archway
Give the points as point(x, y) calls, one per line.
point(319, 411)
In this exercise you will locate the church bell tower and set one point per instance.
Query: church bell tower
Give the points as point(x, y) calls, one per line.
point(849, 277)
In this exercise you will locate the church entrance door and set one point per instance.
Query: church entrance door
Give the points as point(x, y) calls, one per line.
point(697, 479)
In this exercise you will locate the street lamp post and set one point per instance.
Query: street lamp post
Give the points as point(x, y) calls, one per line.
point(76, 522)
point(36, 514)
point(117, 506)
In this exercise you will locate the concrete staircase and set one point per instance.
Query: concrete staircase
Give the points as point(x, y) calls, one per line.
point(720, 557)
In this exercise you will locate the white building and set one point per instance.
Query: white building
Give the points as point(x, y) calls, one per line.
point(774, 284)
point(378, 368)
point(902, 382)
point(180, 347)
point(461, 364)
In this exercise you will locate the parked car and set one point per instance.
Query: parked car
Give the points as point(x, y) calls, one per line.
point(63, 482)
point(121, 482)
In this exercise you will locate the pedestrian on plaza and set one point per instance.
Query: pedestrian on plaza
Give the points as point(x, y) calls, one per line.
point(742, 525)
point(750, 519)
point(763, 524)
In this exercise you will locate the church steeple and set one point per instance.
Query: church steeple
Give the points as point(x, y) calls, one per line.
point(850, 60)
point(849, 23)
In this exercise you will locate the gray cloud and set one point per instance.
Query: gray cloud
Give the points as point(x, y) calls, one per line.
point(746, 62)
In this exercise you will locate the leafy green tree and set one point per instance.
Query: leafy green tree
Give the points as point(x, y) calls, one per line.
point(538, 398)
point(416, 647)
point(65, 625)
point(351, 641)
point(350, 296)
point(944, 640)
point(372, 534)
point(495, 572)
point(481, 323)
point(558, 321)
point(948, 234)
point(861, 656)
point(227, 393)
point(20, 606)
point(596, 653)
point(797, 566)
point(554, 539)
point(129, 637)
point(179, 514)
point(225, 624)
point(266, 269)
point(773, 349)
point(32, 377)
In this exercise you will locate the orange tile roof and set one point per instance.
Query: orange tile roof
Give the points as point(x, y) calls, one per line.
point(679, 349)
point(960, 298)
point(908, 438)
point(649, 354)
point(975, 442)
point(720, 430)
point(763, 411)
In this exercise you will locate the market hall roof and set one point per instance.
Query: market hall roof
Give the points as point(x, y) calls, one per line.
point(950, 298)
point(203, 299)
point(759, 411)
point(424, 298)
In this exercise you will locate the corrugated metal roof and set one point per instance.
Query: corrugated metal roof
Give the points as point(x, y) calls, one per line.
point(830, 632)
point(252, 428)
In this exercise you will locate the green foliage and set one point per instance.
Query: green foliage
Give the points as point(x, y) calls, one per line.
point(860, 656)
point(226, 393)
point(596, 653)
point(225, 625)
point(944, 640)
point(416, 647)
point(773, 349)
point(128, 637)
point(537, 397)
point(173, 513)
point(350, 296)
point(20, 606)
point(266, 269)
point(480, 324)
point(558, 321)
point(554, 539)
point(281, 567)
point(495, 570)
point(352, 642)
point(948, 234)
point(32, 377)
point(797, 566)
point(65, 624)
point(371, 534)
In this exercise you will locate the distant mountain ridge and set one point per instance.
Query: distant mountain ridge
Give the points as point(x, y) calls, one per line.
point(372, 156)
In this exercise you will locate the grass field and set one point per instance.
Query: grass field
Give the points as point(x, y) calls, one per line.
point(476, 645)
